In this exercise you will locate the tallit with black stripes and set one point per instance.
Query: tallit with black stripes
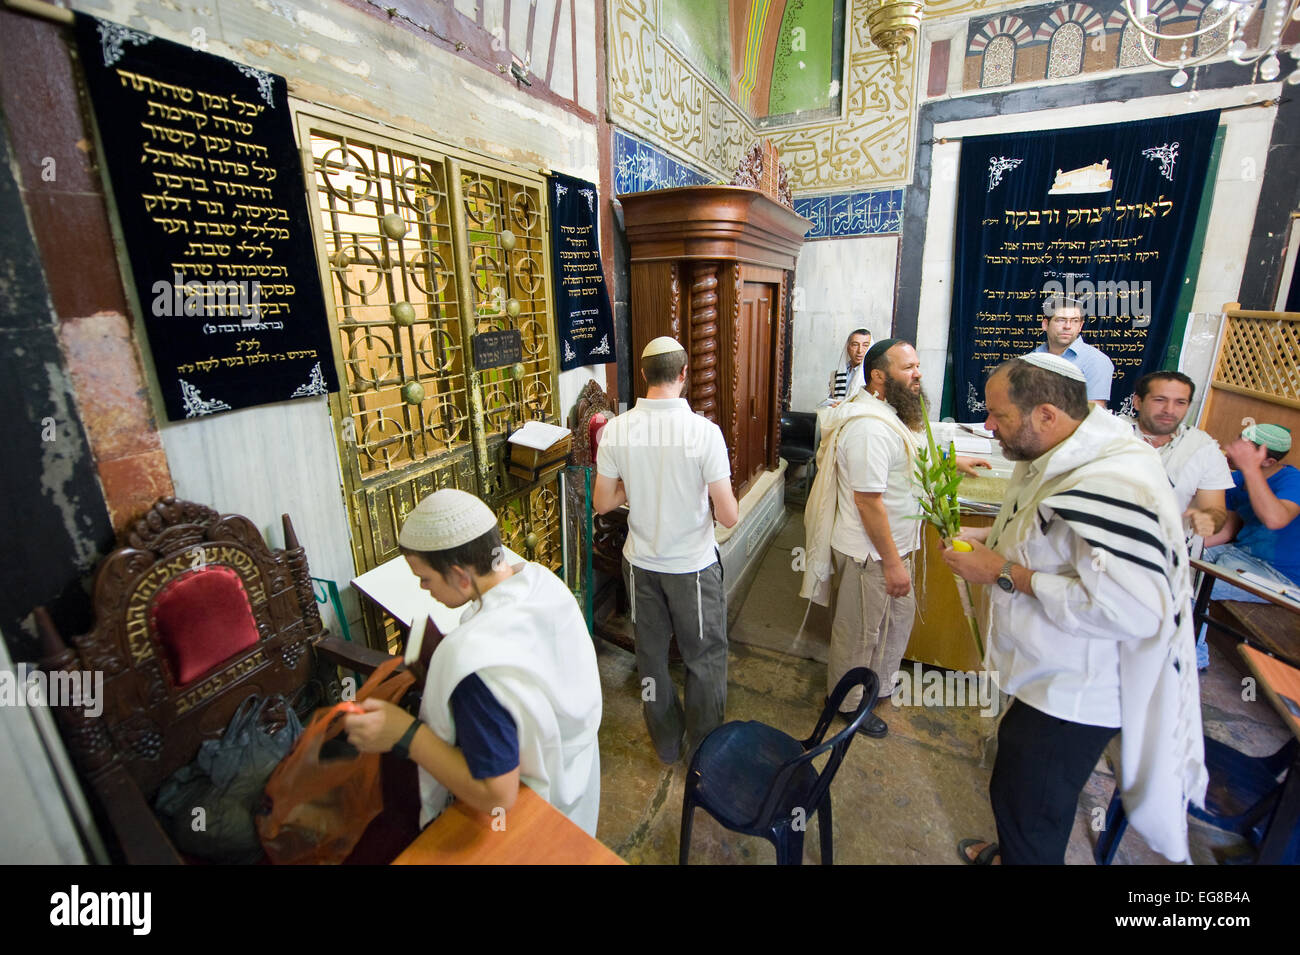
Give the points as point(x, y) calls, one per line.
point(1118, 499)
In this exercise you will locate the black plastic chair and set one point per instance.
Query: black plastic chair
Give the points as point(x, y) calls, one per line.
point(755, 779)
point(799, 439)
point(1241, 797)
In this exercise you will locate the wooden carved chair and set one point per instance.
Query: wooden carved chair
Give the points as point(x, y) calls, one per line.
point(193, 614)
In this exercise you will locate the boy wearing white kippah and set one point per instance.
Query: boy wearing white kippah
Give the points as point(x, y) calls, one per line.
point(512, 694)
point(666, 463)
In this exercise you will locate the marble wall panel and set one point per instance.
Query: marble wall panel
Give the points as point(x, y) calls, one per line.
point(838, 286)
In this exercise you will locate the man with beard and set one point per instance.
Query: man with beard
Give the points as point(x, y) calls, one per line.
point(1089, 620)
point(1196, 467)
point(861, 515)
point(1063, 329)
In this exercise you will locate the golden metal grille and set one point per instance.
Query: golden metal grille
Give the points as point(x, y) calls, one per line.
point(504, 223)
point(388, 240)
point(1260, 356)
point(530, 523)
point(423, 248)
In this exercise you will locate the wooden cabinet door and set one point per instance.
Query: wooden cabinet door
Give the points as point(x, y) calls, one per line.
point(754, 398)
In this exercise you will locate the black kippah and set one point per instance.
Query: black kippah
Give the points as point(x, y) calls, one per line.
point(878, 349)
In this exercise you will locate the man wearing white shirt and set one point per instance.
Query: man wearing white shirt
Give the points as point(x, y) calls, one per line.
point(1089, 620)
point(1196, 467)
point(667, 463)
point(876, 530)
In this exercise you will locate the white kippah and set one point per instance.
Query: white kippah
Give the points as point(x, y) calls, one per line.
point(446, 519)
point(1055, 363)
point(661, 346)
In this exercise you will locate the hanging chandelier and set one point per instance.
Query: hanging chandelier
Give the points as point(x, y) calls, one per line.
point(1235, 16)
point(895, 23)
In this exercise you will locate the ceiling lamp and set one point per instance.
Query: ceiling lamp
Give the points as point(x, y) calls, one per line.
point(895, 23)
point(1234, 17)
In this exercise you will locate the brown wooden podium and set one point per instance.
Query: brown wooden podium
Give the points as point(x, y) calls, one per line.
point(712, 266)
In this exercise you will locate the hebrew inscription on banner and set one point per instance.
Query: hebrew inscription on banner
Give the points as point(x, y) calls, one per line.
point(582, 313)
point(1103, 215)
point(209, 191)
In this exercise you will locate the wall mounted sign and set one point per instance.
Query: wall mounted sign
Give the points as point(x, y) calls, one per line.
point(201, 157)
point(495, 349)
point(582, 313)
point(1100, 214)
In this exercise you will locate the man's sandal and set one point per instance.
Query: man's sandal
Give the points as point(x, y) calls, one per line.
point(985, 856)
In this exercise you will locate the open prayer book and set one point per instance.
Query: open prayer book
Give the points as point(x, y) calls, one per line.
point(398, 591)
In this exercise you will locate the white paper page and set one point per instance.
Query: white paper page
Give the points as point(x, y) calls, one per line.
point(397, 590)
point(539, 435)
point(1282, 590)
point(969, 444)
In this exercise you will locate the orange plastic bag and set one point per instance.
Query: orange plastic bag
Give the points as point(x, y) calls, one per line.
point(319, 808)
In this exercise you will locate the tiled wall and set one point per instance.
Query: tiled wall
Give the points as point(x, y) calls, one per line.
point(640, 167)
point(856, 213)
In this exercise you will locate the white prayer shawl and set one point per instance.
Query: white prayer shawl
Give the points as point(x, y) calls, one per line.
point(1111, 489)
point(819, 509)
point(529, 645)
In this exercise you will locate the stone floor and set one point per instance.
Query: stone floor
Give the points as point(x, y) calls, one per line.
point(906, 798)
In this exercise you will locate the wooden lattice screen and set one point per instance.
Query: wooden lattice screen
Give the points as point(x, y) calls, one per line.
point(1260, 356)
point(1256, 376)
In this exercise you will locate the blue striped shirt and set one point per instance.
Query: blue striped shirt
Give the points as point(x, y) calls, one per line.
point(1096, 367)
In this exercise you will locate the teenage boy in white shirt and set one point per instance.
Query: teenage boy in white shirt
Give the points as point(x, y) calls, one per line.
point(667, 463)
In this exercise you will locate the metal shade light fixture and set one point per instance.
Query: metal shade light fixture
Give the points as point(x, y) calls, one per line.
point(895, 23)
point(1235, 15)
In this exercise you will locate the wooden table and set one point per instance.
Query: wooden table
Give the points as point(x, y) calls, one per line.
point(1278, 680)
point(535, 833)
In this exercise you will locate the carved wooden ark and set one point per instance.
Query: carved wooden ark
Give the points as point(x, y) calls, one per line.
point(712, 266)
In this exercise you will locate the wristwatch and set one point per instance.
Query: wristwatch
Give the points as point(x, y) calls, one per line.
point(1004, 579)
point(402, 747)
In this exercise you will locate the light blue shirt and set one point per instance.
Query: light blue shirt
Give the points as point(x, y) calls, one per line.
point(1096, 367)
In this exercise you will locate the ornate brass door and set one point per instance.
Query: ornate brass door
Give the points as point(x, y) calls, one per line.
point(420, 249)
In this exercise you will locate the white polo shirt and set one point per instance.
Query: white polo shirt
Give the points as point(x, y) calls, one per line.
point(667, 456)
point(870, 456)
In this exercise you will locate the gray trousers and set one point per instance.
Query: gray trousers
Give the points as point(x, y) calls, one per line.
point(694, 607)
point(870, 629)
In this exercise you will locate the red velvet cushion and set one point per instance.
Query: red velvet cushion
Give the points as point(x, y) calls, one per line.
point(202, 619)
